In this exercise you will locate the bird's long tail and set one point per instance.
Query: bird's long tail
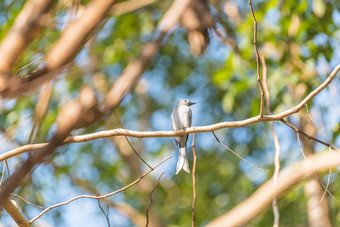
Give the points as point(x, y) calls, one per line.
point(182, 160)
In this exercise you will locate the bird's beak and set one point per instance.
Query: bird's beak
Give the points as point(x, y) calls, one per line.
point(192, 103)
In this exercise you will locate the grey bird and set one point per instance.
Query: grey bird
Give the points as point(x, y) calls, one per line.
point(181, 118)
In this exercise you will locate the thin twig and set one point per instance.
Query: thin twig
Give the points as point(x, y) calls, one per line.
point(306, 160)
point(97, 197)
point(29, 203)
point(6, 163)
point(326, 187)
point(324, 193)
point(297, 130)
point(218, 140)
point(310, 116)
point(193, 209)
point(4, 171)
point(105, 214)
point(31, 63)
point(276, 143)
point(257, 60)
point(150, 201)
point(140, 157)
point(3, 174)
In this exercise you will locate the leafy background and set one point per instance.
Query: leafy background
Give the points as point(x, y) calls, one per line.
point(300, 42)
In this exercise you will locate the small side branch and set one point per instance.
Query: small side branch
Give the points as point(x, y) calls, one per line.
point(127, 140)
point(218, 140)
point(257, 60)
point(306, 135)
point(150, 201)
point(106, 214)
point(194, 194)
point(29, 203)
point(97, 197)
point(24, 67)
point(276, 143)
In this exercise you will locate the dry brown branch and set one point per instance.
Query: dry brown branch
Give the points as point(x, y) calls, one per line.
point(29, 203)
point(218, 140)
point(310, 116)
point(68, 118)
point(105, 214)
point(14, 212)
point(66, 47)
point(150, 201)
point(298, 131)
point(317, 207)
point(127, 140)
point(136, 218)
point(24, 67)
point(306, 160)
point(132, 73)
point(98, 197)
point(324, 193)
point(288, 177)
point(77, 33)
point(194, 194)
point(3, 173)
point(276, 141)
point(25, 29)
point(257, 59)
point(40, 110)
point(129, 6)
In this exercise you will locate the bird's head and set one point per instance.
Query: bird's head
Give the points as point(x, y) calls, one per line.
point(185, 102)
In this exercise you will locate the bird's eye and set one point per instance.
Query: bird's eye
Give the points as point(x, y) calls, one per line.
point(186, 100)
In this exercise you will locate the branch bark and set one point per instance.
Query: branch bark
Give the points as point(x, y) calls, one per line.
point(14, 212)
point(262, 198)
point(65, 49)
point(25, 29)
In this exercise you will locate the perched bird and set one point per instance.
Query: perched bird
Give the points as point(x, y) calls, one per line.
point(181, 118)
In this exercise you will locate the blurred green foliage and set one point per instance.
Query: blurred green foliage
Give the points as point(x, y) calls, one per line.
point(300, 42)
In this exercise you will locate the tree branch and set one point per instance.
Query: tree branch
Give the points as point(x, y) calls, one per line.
point(129, 6)
point(99, 197)
point(262, 198)
point(276, 142)
point(134, 70)
point(14, 212)
point(198, 129)
point(66, 47)
point(25, 29)
point(150, 201)
point(306, 135)
point(257, 59)
point(124, 208)
point(194, 193)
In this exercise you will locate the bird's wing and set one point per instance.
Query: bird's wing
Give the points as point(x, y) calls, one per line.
point(190, 117)
point(174, 124)
point(173, 121)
